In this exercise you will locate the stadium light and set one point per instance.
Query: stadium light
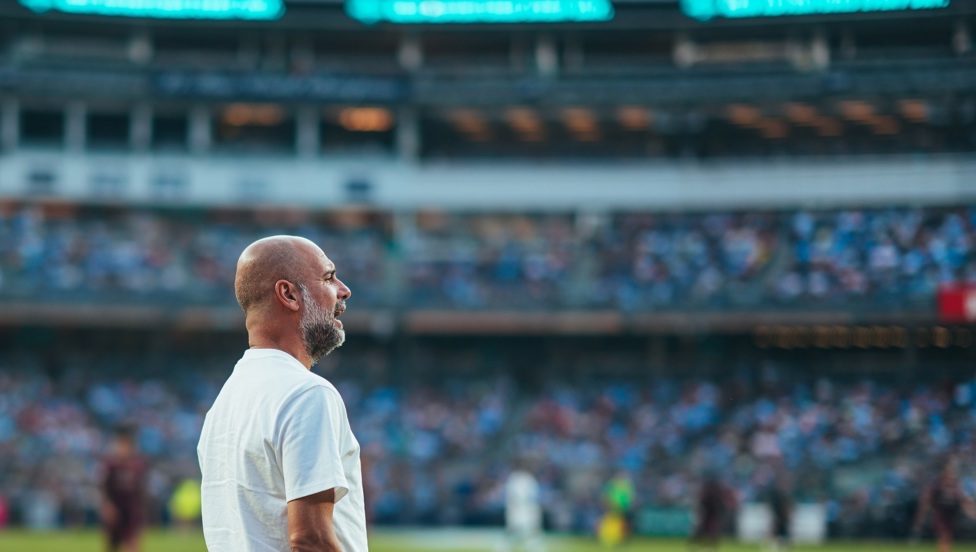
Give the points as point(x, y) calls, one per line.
point(634, 118)
point(744, 115)
point(857, 111)
point(479, 11)
point(166, 9)
point(705, 10)
point(366, 119)
point(801, 114)
point(885, 126)
point(914, 110)
point(827, 127)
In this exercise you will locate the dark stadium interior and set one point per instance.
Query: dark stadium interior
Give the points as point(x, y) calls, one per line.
point(574, 92)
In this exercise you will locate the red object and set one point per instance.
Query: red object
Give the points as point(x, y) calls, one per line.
point(957, 305)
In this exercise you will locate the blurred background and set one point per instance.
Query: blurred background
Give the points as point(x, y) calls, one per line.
point(651, 239)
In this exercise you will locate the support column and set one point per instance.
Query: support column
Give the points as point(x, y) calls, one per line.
point(140, 127)
point(201, 137)
point(410, 52)
point(408, 135)
point(308, 140)
point(684, 52)
point(962, 40)
point(820, 51)
point(9, 124)
point(546, 56)
point(395, 282)
point(141, 49)
point(75, 126)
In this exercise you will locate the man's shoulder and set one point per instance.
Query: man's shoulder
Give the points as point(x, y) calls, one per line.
point(315, 387)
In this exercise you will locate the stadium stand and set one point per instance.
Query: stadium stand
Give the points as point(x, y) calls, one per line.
point(896, 256)
point(438, 451)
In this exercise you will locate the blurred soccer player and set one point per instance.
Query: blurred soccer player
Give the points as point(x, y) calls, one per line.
point(620, 494)
point(281, 467)
point(615, 525)
point(781, 510)
point(713, 503)
point(123, 489)
point(184, 505)
point(523, 512)
point(946, 499)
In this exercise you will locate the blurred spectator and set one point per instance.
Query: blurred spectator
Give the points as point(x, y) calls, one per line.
point(890, 256)
point(629, 261)
point(439, 452)
point(652, 260)
point(133, 255)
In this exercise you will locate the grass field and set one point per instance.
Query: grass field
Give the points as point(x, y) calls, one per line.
point(442, 541)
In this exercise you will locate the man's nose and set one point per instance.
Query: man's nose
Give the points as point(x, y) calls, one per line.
point(344, 291)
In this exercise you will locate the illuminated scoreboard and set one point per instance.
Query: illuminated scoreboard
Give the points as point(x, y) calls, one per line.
point(708, 9)
point(479, 11)
point(366, 11)
point(168, 9)
point(469, 11)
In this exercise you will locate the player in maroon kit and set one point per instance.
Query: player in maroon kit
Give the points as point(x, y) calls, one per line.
point(946, 499)
point(124, 494)
point(714, 502)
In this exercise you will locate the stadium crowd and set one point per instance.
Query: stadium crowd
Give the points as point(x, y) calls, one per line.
point(889, 255)
point(137, 256)
point(648, 261)
point(438, 453)
point(631, 261)
point(669, 434)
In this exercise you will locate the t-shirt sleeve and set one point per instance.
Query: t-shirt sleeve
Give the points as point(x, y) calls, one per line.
point(310, 432)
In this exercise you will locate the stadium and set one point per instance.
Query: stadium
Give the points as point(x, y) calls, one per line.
point(630, 247)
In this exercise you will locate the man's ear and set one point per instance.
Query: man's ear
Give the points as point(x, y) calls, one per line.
point(288, 295)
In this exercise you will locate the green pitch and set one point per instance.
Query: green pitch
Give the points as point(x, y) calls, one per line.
point(383, 541)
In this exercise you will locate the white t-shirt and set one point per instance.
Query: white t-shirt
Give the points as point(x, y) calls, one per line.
point(276, 432)
point(522, 509)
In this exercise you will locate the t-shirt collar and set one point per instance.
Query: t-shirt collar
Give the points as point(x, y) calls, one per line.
point(258, 353)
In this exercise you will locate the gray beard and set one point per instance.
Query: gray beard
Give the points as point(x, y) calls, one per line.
point(319, 332)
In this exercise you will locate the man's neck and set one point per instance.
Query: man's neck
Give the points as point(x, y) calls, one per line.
point(265, 330)
point(297, 350)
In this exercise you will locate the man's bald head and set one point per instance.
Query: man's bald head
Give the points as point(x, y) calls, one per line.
point(268, 260)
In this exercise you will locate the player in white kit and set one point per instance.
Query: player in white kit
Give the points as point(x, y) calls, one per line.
point(523, 513)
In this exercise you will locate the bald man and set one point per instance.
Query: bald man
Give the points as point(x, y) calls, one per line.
point(281, 469)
